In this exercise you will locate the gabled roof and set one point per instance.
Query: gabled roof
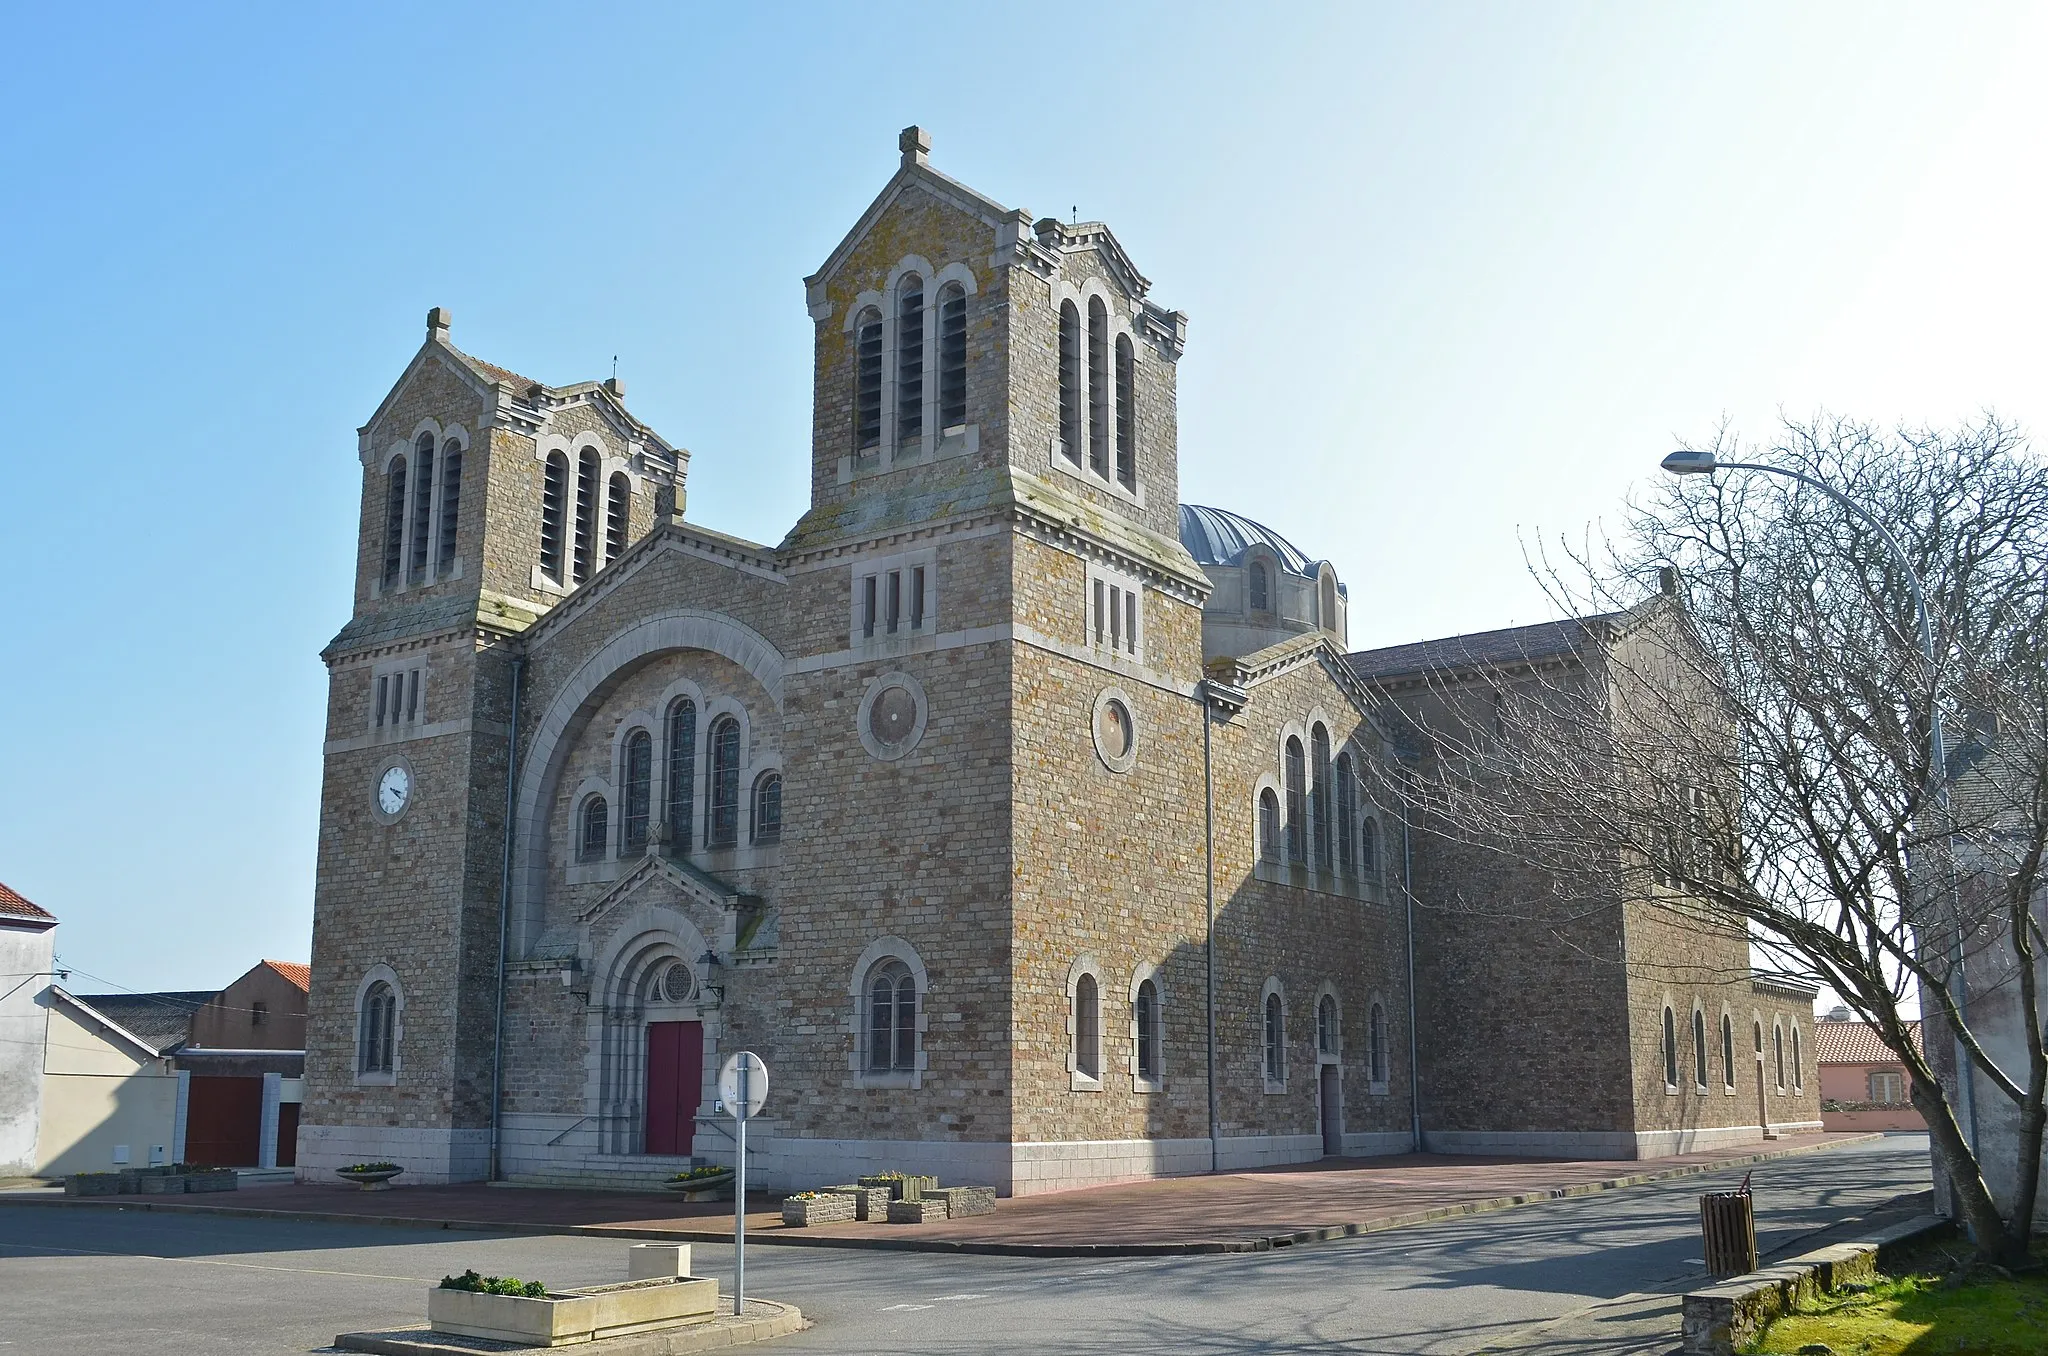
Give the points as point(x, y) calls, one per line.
point(301, 976)
point(1480, 649)
point(14, 907)
point(914, 172)
point(1843, 1042)
point(159, 1021)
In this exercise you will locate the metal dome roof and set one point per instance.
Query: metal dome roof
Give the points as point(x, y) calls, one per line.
point(1216, 536)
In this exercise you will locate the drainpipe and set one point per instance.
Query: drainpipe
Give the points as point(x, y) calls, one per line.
point(1414, 1061)
point(505, 918)
point(1209, 932)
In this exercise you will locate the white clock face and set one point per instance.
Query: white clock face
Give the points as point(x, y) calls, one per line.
point(393, 789)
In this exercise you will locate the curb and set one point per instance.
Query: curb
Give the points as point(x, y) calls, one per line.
point(1255, 1243)
point(1716, 1320)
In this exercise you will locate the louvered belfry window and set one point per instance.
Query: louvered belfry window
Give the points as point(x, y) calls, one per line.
point(909, 360)
point(723, 829)
point(682, 772)
point(1126, 413)
point(451, 506)
point(1098, 387)
point(618, 503)
point(422, 506)
point(586, 512)
point(867, 384)
point(394, 522)
point(554, 495)
point(952, 357)
point(1070, 381)
point(637, 788)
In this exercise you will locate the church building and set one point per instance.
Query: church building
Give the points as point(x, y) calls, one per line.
point(1020, 817)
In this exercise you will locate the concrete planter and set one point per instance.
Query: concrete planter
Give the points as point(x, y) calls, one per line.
point(93, 1184)
point(909, 1187)
point(869, 1202)
point(824, 1209)
point(379, 1180)
point(221, 1179)
point(922, 1211)
point(965, 1200)
point(170, 1185)
point(574, 1316)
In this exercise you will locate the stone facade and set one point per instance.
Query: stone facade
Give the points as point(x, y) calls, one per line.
point(942, 805)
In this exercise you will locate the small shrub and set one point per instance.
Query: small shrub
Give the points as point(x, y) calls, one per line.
point(373, 1167)
point(494, 1285)
point(709, 1170)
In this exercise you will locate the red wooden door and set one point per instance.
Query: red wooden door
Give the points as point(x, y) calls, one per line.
point(224, 1121)
point(675, 1081)
point(287, 1134)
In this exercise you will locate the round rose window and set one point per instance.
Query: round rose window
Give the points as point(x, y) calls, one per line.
point(893, 716)
point(677, 982)
point(1113, 729)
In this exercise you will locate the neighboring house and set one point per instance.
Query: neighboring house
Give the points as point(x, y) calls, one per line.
point(110, 1089)
point(27, 947)
point(1862, 1084)
point(244, 1068)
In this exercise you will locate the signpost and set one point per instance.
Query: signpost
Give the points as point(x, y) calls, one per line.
point(743, 1085)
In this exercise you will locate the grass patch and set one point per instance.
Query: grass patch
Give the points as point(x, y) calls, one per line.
point(1939, 1305)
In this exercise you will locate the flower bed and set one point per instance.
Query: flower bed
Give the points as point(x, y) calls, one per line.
point(570, 1317)
point(902, 1186)
point(370, 1176)
point(817, 1207)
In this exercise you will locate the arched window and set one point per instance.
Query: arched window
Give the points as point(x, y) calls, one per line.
point(451, 505)
point(618, 507)
point(1699, 1049)
point(682, 772)
point(1778, 1053)
point(587, 468)
point(909, 360)
point(422, 505)
point(1126, 413)
point(1345, 825)
point(377, 1030)
point(1798, 1066)
point(891, 1026)
point(952, 357)
point(1727, 1051)
point(595, 829)
point(1269, 825)
point(1146, 1016)
point(1087, 1027)
point(1070, 381)
point(636, 790)
point(1326, 1025)
point(394, 522)
point(1369, 847)
point(1260, 587)
point(1319, 794)
point(768, 808)
point(1376, 1042)
point(554, 495)
point(1098, 387)
point(1276, 1040)
point(1670, 1051)
point(1297, 809)
point(867, 381)
point(1326, 601)
point(722, 828)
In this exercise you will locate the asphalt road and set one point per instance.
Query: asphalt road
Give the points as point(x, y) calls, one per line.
point(88, 1282)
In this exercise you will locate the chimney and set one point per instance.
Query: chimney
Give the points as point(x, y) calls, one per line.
point(916, 146)
point(437, 323)
point(616, 387)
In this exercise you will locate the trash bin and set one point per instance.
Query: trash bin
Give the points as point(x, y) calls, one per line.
point(1728, 1224)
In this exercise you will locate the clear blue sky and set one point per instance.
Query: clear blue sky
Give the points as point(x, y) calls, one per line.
point(1456, 274)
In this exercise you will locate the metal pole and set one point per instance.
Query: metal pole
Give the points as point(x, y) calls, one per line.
point(739, 1208)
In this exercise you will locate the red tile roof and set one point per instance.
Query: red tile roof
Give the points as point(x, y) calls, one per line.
point(1855, 1043)
point(301, 975)
point(13, 905)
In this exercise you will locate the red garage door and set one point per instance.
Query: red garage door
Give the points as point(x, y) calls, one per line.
point(224, 1122)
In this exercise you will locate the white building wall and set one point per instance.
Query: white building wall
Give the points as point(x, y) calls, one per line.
point(25, 956)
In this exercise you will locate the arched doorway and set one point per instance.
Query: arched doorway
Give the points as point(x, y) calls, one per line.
point(655, 1045)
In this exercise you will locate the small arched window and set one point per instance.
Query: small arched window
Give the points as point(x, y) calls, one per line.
point(1798, 1065)
point(1297, 808)
point(1727, 1051)
point(1670, 1051)
point(1098, 387)
point(867, 381)
point(1345, 824)
point(422, 505)
point(636, 785)
point(1126, 413)
point(451, 505)
point(377, 1030)
point(1369, 847)
point(1326, 1025)
point(1326, 600)
point(1260, 587)
point(909, 360)
point(1276, 1039)
point(682, 772)
point(585, 544)
point(768, 808)
point(1699, 1049)
point(394, 522)
point(1778, 1053)
point(1070, 381)
point(1146, 1017)
point(1376, 1041)
point(594, 830)
point(554, 498)
point(617, 510)
point(1319, 794)
point(1269, 825)
point(891, 1026)
point(1087, 1027)
point(722, 828)
point(952, 357)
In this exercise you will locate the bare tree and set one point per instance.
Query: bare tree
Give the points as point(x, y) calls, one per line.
point(1749, 749)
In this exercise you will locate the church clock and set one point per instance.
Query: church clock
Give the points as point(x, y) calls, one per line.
point(394, 790)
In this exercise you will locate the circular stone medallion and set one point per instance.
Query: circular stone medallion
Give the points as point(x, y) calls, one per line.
point(1115, 730)
point(892, 716)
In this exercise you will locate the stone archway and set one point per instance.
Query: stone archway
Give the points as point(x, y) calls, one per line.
point(652, 976)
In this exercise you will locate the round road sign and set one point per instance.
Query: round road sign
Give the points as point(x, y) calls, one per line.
point(738, 1104)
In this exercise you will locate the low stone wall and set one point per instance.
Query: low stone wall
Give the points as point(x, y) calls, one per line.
point(829, 1207)
point(1722, 1319)
point(965, 1200)
point(921, 1211)
point(871, 1203)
